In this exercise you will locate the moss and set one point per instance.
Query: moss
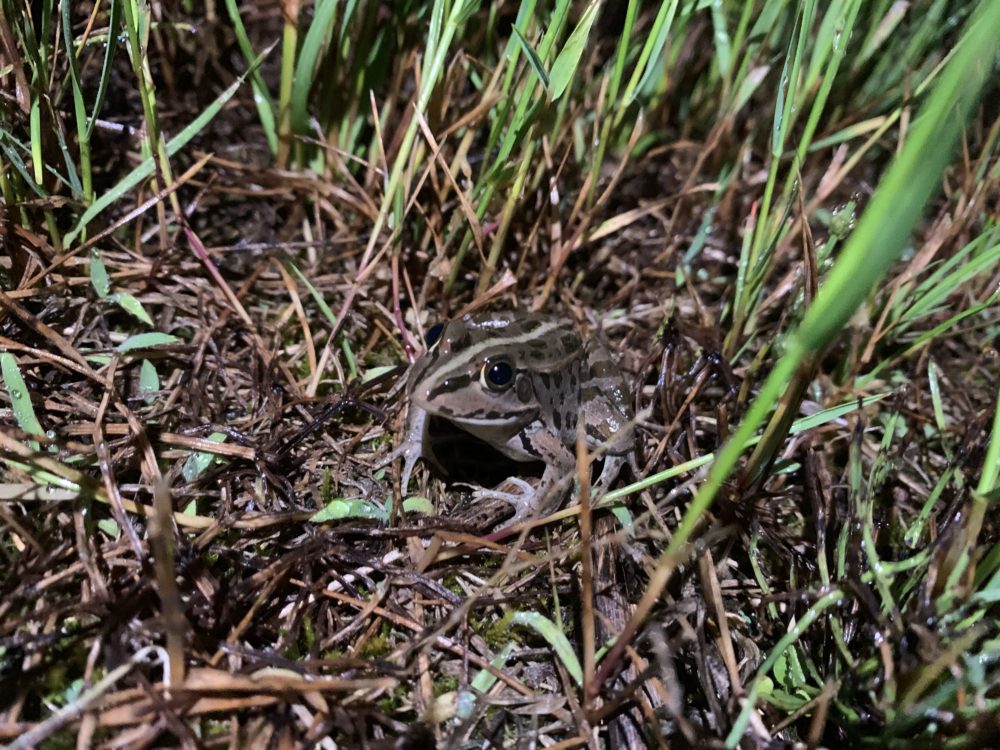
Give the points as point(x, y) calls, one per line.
point(498, 633)
point(445, 683)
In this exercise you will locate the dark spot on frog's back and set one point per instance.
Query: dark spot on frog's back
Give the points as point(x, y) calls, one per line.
point(557, 419)
point(569, 342)
point(546, 380)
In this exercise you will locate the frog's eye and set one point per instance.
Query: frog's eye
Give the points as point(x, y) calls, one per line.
point(433, 335)
point(497, 374)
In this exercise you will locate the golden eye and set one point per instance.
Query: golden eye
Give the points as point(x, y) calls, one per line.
point(497, 374)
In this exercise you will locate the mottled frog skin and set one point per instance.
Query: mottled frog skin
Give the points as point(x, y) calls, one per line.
point(520, 382)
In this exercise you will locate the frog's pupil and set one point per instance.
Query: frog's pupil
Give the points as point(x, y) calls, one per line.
point(433, 334)
point(500, 374)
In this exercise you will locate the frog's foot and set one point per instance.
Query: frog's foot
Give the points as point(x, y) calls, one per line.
point(524, 501)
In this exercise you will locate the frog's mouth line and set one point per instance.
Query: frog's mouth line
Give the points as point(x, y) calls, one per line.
point(483, 418)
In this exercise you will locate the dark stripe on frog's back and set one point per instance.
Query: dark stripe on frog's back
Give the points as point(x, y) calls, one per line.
point(558, 394)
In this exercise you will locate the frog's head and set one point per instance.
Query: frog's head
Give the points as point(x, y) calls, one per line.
point(477, 371)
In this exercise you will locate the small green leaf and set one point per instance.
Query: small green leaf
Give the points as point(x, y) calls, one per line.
point(781, 670)
point(417, 504)
point(555, 638)
point(109, 526)
point(147, 341)
point(149, 379)
point(354, 507)
point(99, 274)
point(132, 306)
point(568, 58)
point(786, 700)
point(533, 59)
point(20, 401)
point(200, 460)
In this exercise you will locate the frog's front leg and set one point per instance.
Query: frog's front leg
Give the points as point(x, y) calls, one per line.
point(413, 448)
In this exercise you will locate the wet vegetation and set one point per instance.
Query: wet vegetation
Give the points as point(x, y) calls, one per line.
point(225, 228)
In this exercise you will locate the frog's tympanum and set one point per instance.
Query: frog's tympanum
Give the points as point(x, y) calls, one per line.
point(520, 382)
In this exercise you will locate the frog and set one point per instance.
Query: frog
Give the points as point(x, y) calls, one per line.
point(520, 382)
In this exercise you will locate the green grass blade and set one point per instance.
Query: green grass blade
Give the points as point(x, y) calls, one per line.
point(555, 638)
point(566, 62)
point(20, 401)
point(111, 47)
point(650, 58)
point(86, 189)
point(534, 61)
point(132, 306)
point(99, 275)
point(261, 96)
point(146, 168)
point(315, 44)
point(15, 160)
point(881, 234)
point(723, 42)
point(147, 341)
point(989, 480)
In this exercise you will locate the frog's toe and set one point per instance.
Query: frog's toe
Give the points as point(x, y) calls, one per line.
point(524, 501)
point(410, 455)
point(409, 464)
point(612, 468)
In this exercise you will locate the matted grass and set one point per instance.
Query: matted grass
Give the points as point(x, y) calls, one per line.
point(225, 227)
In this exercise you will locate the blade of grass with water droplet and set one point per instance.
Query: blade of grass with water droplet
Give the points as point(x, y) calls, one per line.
point(20, 401)
point(104, 80)
point(261, 96)
point(99, 274)
point(132, 306)
point(149, 380)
